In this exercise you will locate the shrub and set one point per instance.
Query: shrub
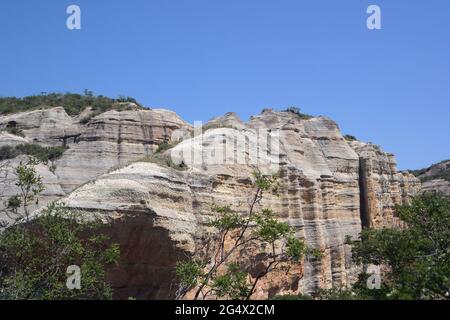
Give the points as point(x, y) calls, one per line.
point(227, 276)
point(8, 152)
point(35, 252)
point(296, 111)
point(349, 137)
point(164, 160)
point(164, 147)
point(73, 103)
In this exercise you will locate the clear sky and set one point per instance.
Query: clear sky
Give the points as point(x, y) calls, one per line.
point(202, 58)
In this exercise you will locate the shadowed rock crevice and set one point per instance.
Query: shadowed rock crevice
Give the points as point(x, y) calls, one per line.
point(146, 269)
point(363, 196)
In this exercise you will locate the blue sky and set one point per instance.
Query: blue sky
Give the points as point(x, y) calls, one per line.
point(202, 58)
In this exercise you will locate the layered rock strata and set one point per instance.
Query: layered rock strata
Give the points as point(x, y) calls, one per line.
point(329, 189)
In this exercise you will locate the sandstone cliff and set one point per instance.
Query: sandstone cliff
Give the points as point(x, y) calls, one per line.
point(329, 187)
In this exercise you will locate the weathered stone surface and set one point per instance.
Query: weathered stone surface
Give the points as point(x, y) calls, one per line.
point(329, 189)
point(381, 185)
point(7, 139)
point(320, 186)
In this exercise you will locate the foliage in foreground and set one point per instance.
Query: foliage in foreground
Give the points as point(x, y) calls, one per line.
point(36, 252)
point(226, 277)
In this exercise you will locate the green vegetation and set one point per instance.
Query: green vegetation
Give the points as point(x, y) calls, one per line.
point(296, 111)
point(88, 118)
point(164, 160)
point(165, 146)
point(415, 259)
point(35, 254)
point(349, 137)
point(15, 131)
point(227, 276)
point(73, 103)
point(44, 154)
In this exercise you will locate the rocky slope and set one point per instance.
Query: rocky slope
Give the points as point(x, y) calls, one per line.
point(435, 178)
point(108, 140)
point(329, 187)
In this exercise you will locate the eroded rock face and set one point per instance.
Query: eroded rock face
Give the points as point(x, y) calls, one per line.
point(329, 188)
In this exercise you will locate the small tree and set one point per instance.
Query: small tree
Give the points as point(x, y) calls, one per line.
point(35, 252)
point(225, 277)
point(415, 260)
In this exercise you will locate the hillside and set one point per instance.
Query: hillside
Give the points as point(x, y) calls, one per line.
point(435, 178)
point(72, 103)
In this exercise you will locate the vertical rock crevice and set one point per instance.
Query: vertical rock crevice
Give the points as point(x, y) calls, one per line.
point(363, 194)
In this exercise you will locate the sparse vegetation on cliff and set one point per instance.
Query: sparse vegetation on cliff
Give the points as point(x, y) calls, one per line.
point(15, 131)
point(437, 171)
point(349, 137)
point(44, 154)
point(36, 252)
point(73, 103)
point(297, 111)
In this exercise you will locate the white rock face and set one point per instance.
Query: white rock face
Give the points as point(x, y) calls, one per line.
point(329, 188)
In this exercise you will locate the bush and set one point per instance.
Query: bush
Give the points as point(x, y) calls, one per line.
point(163, 160)
point(8, 152)
point(43, 154)
point(440, 173)
point(36, 251)
point(163, 147)
point(86, 119)
point(296, 111)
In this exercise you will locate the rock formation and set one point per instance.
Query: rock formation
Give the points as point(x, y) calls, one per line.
point(329, 187)
point(435, 178)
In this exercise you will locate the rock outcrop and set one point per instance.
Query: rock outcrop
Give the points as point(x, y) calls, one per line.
point(435, 178)
point(329, 189)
